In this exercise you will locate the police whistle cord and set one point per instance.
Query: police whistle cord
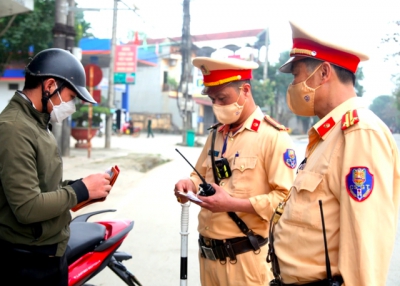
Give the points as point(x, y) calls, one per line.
point(184, 242)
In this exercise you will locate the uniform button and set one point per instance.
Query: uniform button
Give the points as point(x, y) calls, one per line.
point(208, 242)
point(222, 184)
point(231, 138)
point(207, 227)
point(241, 167)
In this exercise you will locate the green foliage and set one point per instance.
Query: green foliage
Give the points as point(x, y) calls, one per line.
point(385, 108)
point(173, 84)
point(263, 92)
point(272, 93)
point(29, 29)
point(81, 27)
point(358, 87)
point(32, 30)
point(81, 115)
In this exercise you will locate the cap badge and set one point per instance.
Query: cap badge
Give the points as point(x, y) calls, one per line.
point(204, 70)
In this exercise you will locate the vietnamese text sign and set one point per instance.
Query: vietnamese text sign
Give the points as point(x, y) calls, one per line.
point(125, 59)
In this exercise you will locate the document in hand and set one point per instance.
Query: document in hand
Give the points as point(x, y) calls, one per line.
point(191, 196)
point(113, 172)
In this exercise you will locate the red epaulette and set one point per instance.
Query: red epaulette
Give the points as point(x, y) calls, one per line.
point(350, 118)
point(275, 123)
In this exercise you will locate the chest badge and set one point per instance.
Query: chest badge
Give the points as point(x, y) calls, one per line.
point(289, 157)
point(359, 183)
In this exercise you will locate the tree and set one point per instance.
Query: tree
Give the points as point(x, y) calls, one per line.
point(25, 34)
point(358, 87)
point(385, 108)
point(272, 93)
point(28, 33)
point(263, 92)
point(81, 27)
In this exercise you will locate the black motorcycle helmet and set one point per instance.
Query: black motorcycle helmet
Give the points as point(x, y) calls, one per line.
point(61, 64)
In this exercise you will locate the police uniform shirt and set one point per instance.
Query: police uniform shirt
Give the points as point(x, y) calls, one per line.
point(256, 155)
point(355, 172)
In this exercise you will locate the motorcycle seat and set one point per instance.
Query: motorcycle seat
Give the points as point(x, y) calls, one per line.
point(85, 236)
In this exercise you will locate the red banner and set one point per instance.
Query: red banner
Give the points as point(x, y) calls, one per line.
point(125, 59)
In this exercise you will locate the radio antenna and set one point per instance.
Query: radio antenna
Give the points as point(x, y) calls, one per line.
point(200, 176)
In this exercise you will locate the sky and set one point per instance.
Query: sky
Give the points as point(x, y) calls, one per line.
point(360, 23)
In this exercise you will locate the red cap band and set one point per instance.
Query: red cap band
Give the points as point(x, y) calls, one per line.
point(334, 56)
point(218, 77)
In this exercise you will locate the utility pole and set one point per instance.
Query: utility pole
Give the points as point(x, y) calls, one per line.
point(69, 44)
point(186, 47)
point(109, 118)
point(59, 41)
point(265, 74)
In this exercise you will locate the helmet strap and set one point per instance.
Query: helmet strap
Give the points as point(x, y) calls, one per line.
point(46, 95)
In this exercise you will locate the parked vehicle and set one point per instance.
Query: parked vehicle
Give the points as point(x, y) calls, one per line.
point(94, 246)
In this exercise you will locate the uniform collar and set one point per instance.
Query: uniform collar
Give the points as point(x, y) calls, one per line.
point(324, 127)
point(252, 123)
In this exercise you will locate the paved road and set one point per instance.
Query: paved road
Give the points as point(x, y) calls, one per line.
point(147, 199)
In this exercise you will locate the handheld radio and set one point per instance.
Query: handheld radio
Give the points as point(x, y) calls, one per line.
point(206, 189)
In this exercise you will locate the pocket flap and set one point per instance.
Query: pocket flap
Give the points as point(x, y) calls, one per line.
point(307, 181)
point(244, 163)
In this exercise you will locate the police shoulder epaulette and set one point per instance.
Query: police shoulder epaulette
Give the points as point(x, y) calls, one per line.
point(349, 119)
point(214, 126)
point(275, 123)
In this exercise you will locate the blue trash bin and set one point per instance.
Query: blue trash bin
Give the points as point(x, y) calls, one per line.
point(190, 136)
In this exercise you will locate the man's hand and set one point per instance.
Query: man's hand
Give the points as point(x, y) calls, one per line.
point(183, 185)
point(98, 185)
point(221, 201)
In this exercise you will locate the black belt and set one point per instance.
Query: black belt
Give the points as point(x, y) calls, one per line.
point(337, 279)
point(220, 249)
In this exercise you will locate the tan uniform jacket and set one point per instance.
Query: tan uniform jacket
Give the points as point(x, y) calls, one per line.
point(355, 173)
point(259, 173)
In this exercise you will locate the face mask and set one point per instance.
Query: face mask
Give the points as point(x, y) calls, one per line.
point(228, 114)
point(61, 111)
point(300, 97)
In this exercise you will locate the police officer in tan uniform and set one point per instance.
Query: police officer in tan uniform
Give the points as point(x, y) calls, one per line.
point(351, 166)
point(254, 163)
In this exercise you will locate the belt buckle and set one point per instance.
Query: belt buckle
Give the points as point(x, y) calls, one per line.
point(209, 253)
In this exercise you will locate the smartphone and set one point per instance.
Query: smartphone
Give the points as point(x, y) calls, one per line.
point(113, 172)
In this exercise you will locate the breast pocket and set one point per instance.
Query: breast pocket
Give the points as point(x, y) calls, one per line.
point(242, 174)
point(303, 210)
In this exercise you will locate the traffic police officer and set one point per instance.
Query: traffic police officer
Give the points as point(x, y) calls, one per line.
point(351, 166)
point(253, 161)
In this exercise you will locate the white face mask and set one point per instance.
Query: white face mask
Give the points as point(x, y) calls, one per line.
point(61, 111)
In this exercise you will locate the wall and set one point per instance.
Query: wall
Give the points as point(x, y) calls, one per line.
point(146, 95)
point(6, 94)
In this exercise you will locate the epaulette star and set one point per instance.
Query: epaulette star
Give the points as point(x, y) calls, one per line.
point(349, 119)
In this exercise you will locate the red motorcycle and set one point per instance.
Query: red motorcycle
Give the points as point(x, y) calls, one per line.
point(93, 246)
